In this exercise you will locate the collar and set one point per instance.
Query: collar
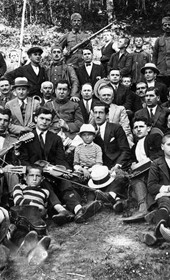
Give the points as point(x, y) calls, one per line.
point(88, 64)
point(39, 131)
point(74, 32)
point(25, 101)
point(153, 109)
point(138, 51)
point(102, 127)
point(61, 101)
point(91, 144)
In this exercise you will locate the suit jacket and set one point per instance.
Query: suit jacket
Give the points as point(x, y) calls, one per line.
point(53, 151)
point(115, 146)
point(17, 124)
point(163, 90)
point(159, 175)
point(159, 118)
point(152, 147)
point(124, 63)
point(28, 72)
point(83, 77)
point(84, 112)
point(123, 97)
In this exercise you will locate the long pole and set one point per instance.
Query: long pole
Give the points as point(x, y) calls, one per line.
point(22, 28)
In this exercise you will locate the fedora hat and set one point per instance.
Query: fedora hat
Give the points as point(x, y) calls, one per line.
point(20, 82)
point(100, 83)
point(87, 128)
point(151, 66)
point(34, 50)
point(100, 177)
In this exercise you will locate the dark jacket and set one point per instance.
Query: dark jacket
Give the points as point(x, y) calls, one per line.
point(123, 97)
point(3, 67)
point(84, 112)
point(124, 63)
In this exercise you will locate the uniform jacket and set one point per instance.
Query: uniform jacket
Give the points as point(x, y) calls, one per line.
point(159, 175)
point(68, 74)
point(17, 123)
point(28, 72)
point(115, 146)
point(139, 60)
point(68, 111)
point(124, 63)
point(97, 73)
point(161, 55)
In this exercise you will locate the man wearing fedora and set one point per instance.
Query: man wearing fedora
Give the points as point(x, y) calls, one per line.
point(32, 71)
point(161, 52)
point(59, 70)
point(72, 38)
point(150, 72)
point(22, 108)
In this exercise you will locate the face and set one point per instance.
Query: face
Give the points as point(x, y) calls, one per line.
point(107, 37)
point(14, 56)
point(121, 43)
point(34, 177)
point(151, 99)
point(166, 147)
point(43, 121)
point(99, 115)
point(126, 81)
point(4, 87)
point(106, 95)
point(87, 92)
point(87, 137)
point(149, 75)
point(35, 57)
point(62, 91)
point(76, 24)
point(56, 55)
point(141, 89)
point(166, 27)
point(114, 76)
point(21, 92)
point(87, 55)
point(138, 42)
point(168, 121)
point(4, 120)
point(47, 90)
point(140, 129)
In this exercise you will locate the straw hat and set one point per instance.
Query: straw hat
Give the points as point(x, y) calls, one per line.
point(151, 66)
point(87, 128)
point(100, 177)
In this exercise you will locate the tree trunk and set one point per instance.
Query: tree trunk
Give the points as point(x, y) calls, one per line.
point(110, 10)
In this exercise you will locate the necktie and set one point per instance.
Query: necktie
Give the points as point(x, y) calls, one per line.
point(22, 109)
point(151, 115)
point(87, 107)
point(41, 141)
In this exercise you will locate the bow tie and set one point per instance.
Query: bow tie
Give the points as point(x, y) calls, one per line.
point(88, 64)
point(3, 135)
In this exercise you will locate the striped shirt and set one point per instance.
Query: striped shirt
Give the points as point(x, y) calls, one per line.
point(87, 155)
point(34, 196)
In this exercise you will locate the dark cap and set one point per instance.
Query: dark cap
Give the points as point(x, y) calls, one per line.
point(34, 50)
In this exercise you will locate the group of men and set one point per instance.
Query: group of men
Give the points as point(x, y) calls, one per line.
point(129, 111)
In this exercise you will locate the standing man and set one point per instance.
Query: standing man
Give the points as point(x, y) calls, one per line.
point(90, 72)
point(22, 108)
point(150, 72)
point(161, 52)
point(58, 70)
point(32, 71)
point(72, 38)
point(107, 49)
point(68, 117)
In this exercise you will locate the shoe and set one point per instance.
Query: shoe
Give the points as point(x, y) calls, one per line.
point(137, 217)
point(150, 217)
point(148, 238)
point(29, 243)
point(104, 197)
point(39, 253)
point(165, 232)
point(63, 217)
point(118, 206)
point(88, 211)
point(157, 229)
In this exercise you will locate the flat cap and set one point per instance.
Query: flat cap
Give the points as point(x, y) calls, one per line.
point(34, 50)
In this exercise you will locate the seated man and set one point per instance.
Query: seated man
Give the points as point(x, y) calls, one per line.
point(59, 70)
point(90, 72)
point(146, 149)
point(47, 146)
point(47, 90)
point(155, 113)
point(159, 188)
point(22, 108)
point(5, 92)
point(68, 114)
point(112, 140)
point(87, 101)
point(141, 89)
point(117, 114)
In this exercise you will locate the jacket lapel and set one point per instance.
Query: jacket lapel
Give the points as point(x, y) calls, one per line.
point(28, 111)
point(163, 166)
point(48, 143)
point(157, 114)
point(17, 111)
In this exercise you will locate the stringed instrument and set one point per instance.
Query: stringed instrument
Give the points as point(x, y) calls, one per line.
point(24, 138)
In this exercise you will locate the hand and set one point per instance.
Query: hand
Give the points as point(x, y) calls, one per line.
point(116, 167)
point(86, 173)
point(63, 124)
point(75, 99)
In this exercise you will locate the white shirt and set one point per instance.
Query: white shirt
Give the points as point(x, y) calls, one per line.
point(2, 139)
point(140, 150)
point(153, 110)
point(167, 161)
point(151, 84)
point(36, 69)
point(89, 68)
point(102, 128)
point(89, 103)
point(20, 101)
point(43, 134)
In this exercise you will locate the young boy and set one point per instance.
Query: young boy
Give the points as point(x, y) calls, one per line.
point(87, 154)
point(159, 188)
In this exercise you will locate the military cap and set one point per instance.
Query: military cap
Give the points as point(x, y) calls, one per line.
point(56, 46)
point(166, 20)
point(76, 16)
